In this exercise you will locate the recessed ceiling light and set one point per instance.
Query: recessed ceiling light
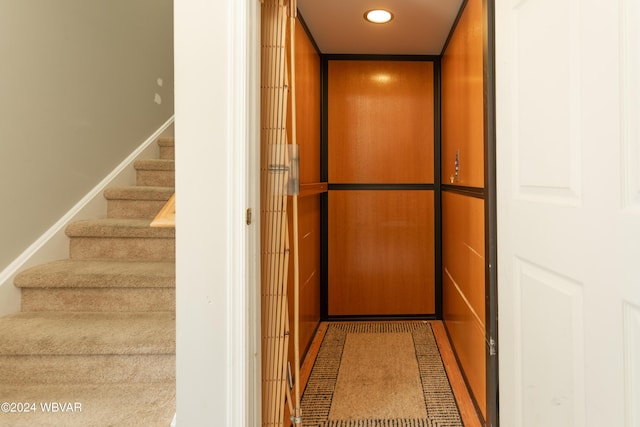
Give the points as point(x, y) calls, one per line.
point(378, 16)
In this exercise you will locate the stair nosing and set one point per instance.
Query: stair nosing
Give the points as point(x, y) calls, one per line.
point(139, 193)
point(160, 165)
point(118, 228)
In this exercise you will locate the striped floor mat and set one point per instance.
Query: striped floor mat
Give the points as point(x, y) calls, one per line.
point(383, 374)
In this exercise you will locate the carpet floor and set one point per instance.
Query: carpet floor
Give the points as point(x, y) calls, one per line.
point(387, 374)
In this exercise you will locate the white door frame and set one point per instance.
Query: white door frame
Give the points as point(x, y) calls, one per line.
point(217, 110)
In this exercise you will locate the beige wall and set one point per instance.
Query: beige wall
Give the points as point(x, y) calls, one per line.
point(78, 85)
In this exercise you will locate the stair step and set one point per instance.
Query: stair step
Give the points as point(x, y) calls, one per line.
point(70, 273)
point(122, 239)
point(86, 369)
point(136, 201)
point(98, 299)
point(65, 347)
point(98, 285)
point(158, 172)
point(167, 148)
point(101, 405)
point(62, 333)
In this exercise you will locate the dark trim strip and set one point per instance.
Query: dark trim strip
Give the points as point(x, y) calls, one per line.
point(324, 256)
point(360, 57)
point(478, 193)
point(324, 198)
point(491, 222)
point(378, 317)
point(437, 200)
point(454, 26)
point(341, 187)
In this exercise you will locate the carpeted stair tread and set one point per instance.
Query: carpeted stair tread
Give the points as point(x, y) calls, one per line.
point(167, 149)
point(70, 273)
point(155, 165)
point(166, 141)
point(118, 227)
point(141, 201)
point(148, 404)
point(76, 333)
point(139, 192)
point(65, 369)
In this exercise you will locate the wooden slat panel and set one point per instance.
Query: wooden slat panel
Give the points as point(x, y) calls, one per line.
point(380, 122)
point(462, 100)
point(381, 252)
point(274, 240)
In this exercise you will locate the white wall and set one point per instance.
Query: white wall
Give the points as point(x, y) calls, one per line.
point(78, 85)
point(216, 135)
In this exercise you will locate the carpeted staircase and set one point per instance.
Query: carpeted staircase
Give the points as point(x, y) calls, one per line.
point(94, 343)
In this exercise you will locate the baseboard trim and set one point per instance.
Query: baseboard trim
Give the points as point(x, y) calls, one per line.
point(54, 244)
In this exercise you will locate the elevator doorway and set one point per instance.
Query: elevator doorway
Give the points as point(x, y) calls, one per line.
point(407, 217)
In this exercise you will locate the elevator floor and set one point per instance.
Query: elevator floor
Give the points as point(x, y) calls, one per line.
point(367, 373)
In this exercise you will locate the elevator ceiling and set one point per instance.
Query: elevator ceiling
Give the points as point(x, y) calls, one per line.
point(419, 27)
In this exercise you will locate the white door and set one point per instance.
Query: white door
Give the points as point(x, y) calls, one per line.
point(568, 159)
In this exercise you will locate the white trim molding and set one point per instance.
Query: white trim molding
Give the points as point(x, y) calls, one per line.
point(217, 275)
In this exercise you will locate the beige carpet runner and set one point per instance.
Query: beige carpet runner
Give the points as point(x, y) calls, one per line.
point(386, 374)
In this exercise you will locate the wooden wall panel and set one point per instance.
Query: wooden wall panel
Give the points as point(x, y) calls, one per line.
point(468, 341)
point(380, 117)
point(381, 252)
point(308, 97)
point(309, 269)
point(463, 231)
point(462, 100)
point(463, 258)
point(463, 246)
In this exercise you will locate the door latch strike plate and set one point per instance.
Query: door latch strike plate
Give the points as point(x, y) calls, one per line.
point(492, 347)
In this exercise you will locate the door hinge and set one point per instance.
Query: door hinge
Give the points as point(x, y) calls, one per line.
point(248, 216)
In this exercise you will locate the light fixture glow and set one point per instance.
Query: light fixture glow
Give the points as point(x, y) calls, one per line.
point(381, 78)
point(378, 16)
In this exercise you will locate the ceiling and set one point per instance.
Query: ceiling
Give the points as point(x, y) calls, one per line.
point(419, 27)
